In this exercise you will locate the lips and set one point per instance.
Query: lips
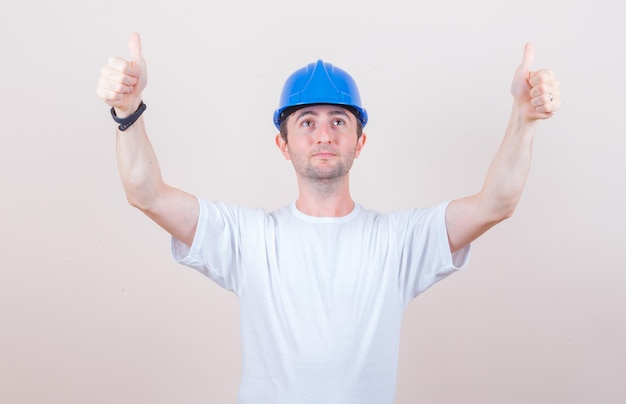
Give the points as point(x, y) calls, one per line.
point(324, 154)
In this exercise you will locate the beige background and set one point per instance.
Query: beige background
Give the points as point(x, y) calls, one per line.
point(92, 309)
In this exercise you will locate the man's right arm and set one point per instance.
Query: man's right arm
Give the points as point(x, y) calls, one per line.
point(120, 85)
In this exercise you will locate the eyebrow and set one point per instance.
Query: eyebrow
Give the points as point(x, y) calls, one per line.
point(306, 112)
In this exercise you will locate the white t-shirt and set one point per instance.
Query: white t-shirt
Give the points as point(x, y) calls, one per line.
point(321, 298)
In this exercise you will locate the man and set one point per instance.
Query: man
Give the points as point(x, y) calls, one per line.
point(323, 282)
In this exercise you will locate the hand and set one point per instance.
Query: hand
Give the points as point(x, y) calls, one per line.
point(121, 82)
point(536, 94)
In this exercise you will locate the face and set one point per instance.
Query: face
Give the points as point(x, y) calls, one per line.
point(322, 142)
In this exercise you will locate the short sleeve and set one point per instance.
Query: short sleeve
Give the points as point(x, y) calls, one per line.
point(425, 251)
point(216, 247)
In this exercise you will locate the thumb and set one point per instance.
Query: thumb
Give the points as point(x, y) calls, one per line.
point(134, 43)
point(527, 59)
point(138, 63)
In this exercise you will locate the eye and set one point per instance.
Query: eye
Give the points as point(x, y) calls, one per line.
point(338, 122)
point(306, 123)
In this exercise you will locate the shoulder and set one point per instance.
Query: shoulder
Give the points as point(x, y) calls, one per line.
point(409, 216)
point(218, 211)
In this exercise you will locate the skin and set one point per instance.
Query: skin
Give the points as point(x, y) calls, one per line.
point(120, 85)
point(322, 145)
point(536, 96)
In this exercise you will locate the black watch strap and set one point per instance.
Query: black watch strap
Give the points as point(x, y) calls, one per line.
point(127, 122)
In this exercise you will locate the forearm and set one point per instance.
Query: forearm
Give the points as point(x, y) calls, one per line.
point(120, 85)
point(509, 169)
point(138, 166)
point(535, 96)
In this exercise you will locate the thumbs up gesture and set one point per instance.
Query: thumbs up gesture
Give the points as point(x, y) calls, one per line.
point(122, 82)
point(536, 94)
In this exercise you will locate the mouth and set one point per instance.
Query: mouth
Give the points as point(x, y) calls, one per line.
point(324, 154)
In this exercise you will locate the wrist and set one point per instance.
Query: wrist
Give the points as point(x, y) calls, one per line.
point(522, 114)
point(127, 120)
point(123, 113)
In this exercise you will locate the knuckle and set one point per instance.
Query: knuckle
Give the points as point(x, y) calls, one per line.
point(118, 88)
point(127, 80)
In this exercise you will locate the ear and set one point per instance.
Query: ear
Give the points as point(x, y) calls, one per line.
point(282, 146)
point(360, 144)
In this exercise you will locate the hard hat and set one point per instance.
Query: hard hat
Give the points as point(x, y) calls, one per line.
point(320, 83)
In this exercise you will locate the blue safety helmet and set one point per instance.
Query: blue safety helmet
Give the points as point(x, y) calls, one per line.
point(319, 83)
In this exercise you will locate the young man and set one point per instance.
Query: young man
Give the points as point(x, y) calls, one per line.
point(323, 282)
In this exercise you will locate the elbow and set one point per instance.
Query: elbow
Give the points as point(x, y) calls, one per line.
point(507, 214)
point(506, 211)
point(499, 209)
point(142, 193)
point(141, 198)
point(138, 203)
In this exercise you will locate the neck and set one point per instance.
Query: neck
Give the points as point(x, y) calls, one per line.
point(325, 198)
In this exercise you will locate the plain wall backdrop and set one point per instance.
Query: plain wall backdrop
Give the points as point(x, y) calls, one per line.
point(93, 310)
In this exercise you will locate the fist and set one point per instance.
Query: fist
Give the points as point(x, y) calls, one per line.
point(537, 93)
point(122, 82)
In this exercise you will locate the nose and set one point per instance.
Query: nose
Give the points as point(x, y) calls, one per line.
point(323, 134)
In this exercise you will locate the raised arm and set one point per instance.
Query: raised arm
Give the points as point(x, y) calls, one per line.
point(120, 85)
point(535, 96)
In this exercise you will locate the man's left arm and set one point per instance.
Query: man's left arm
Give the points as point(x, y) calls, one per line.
point(535, 96)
